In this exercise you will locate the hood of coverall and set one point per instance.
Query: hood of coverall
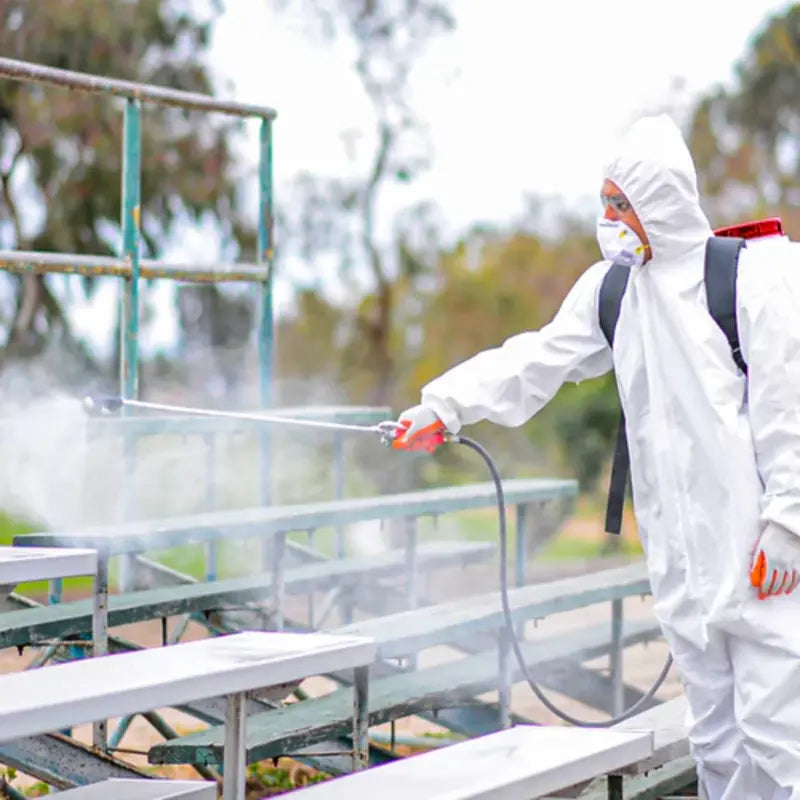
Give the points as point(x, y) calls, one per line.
point(654, 168)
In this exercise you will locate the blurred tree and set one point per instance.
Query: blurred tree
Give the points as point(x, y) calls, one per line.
point(746, 138)
point(308, 351)
point(60, 150)
point(337, 217)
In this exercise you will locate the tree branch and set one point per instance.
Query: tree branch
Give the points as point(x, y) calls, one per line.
point(34, 292)
point(5, 180)
point(379, 162)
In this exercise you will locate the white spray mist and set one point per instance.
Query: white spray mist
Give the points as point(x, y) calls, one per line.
point(42, 459)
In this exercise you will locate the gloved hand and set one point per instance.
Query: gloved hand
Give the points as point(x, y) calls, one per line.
point(423, 430)
point(776, 562)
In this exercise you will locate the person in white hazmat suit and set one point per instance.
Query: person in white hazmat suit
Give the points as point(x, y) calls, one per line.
point(715, 454)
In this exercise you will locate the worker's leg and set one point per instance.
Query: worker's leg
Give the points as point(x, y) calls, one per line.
point(765, 651)
point(714, 738)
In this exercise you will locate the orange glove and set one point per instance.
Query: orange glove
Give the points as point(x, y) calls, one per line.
point(423, 430)
point(776, 562)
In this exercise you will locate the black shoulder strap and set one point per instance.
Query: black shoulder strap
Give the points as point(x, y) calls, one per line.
point(721, 262)
point(611, 290)
point(609, 302)
point(618, 485)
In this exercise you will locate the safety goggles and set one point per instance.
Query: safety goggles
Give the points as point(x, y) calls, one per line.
point(618, 202)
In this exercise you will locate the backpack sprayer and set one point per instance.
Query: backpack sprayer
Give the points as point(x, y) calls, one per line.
point(389, 431)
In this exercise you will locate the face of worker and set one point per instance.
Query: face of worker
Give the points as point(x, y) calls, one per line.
point(617, 207)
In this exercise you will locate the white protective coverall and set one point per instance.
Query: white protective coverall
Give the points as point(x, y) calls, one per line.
point(715, 455)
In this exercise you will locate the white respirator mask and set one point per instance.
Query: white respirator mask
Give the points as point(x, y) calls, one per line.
point(619, 243)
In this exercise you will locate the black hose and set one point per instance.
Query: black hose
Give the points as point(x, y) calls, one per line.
point(501, 510)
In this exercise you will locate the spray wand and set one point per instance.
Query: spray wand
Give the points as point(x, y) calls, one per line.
point(390, 431)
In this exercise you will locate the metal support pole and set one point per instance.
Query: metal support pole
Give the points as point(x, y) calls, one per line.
point(55, 590)
point(521, 557)
point(129, 327)
point(521, 549)
point(412, 574)
point(338, 473)
point(360, 718)
point(618, 698)
point(615, 791)
point(311, 615)
point(43, 657)
point(412, 588)
point(265, 256)
point(100, 606)
point(504, 682)
point(131, 219)
point(100, 634)
point(212, 548)
point(115, 740)
point(234, 766)
point(278, 586)
point(212, 561)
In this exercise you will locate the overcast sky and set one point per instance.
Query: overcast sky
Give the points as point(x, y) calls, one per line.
point(523, 97)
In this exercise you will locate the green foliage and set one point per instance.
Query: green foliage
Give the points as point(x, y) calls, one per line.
point(492, 286)
point(585, 419)
point(11, 527)
point(265, 779)
point(61, 150)
point(745, 138)
point(8, 775)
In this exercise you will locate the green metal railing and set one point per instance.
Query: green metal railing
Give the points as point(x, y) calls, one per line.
point(128, 266)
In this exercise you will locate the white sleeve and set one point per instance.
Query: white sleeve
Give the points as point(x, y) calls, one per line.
point(511, 383)
point(768, 290)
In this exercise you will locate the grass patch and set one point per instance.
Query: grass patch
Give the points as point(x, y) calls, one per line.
point(11, 527)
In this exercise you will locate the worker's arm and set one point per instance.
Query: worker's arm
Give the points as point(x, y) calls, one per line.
point(511, 383)
point(769, 328)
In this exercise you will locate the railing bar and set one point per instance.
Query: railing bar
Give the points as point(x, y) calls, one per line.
point(93, 266)
point(26, 71)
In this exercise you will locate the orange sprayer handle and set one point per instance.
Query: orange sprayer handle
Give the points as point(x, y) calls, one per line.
point(428, 439)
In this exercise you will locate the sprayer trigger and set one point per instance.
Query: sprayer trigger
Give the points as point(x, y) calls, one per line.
point(389, 431)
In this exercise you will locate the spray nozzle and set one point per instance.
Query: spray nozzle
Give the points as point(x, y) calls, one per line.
point(102, 404)
point(389, 430)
